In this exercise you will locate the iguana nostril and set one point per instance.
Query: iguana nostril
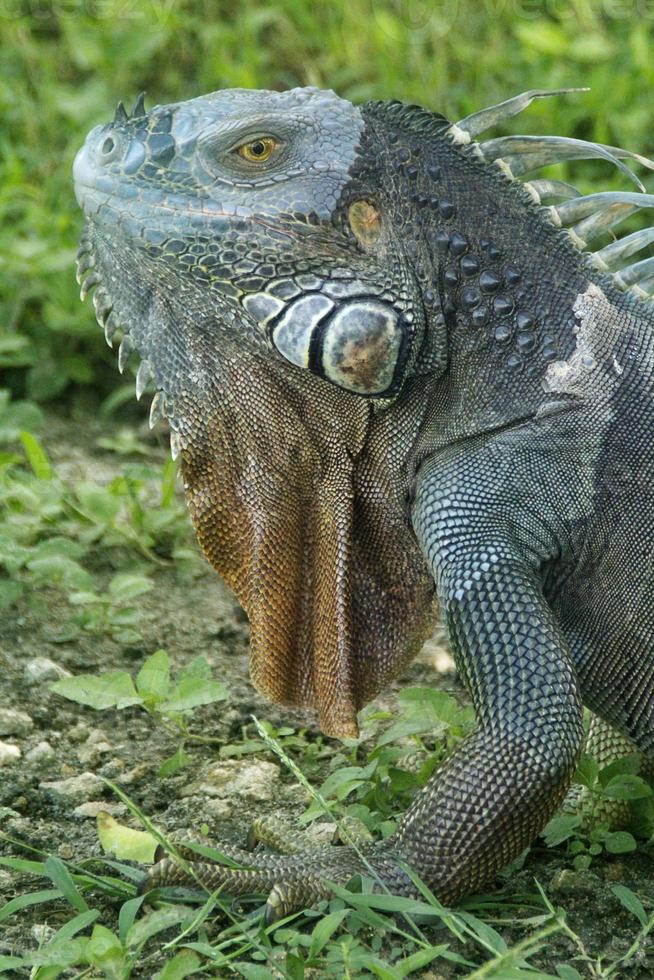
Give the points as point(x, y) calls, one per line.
point(108, 149)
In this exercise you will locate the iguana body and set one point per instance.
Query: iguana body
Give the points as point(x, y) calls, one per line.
point(392, 378)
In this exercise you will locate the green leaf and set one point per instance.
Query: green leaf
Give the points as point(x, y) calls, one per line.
point(154, 922)
point(626, 764)
point(105, 950)
point(125, 586)
point(10, 963)
point(417, 960)
point(253, 972)
point(631, 902)
point(488, 936)
point(627, 787)
point(346, 779)
point(56, 569)
point(124, 842)
point(567, 972)
point(75, 925)
point(112, 690)
point(153, 679)
point(426, 710)
point(194, 686)
point(17, 417)
point(181, 965)
point(387, 903)
point(587, 771)
point(168, 482)
point(127, 915)
point(560, 828)
point(620, 842)
point(174, 762)
point(24, 901)
point(325, 929)
point(36, 456)
point(97, 503)
point(10, 592)
point(60, 876)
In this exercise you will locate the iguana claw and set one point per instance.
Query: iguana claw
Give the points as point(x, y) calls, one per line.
point(298, 877)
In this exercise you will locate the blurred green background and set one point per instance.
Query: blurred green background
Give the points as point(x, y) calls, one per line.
point(65, 64)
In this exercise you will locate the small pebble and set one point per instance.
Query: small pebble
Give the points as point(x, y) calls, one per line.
point(41, 753)
point(254, 781)
point(41, 669)
point(13, 722)
point(42, 933)
point(93, 807)
point(77, 788)
point(9, 753)
point(94, 748)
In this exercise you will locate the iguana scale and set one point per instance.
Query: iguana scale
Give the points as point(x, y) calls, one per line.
point(397, 376)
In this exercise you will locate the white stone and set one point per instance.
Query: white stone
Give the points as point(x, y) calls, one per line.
point(93, 807)
point(41, 669)
point(9, 753)
point(78, 788)
point(41, 752)
point(258, 781)
point(13, 722)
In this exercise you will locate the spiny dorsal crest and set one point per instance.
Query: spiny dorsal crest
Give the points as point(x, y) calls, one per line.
point(586, 218)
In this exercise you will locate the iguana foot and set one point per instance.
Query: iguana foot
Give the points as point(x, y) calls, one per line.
point(297, 877)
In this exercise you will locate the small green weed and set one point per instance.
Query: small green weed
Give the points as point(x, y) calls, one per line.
point(70, 537)
point(169, 701)
point(587, 838)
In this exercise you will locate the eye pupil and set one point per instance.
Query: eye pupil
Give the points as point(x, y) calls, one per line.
point(258, 150)
point(108, 145)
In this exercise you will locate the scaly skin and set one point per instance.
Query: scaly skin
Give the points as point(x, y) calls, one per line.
point(390, 377)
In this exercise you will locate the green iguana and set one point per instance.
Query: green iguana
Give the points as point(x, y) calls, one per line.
point(395, 377)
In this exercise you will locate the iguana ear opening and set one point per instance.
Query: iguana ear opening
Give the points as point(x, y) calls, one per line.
point(360, 345)
point(365, 222)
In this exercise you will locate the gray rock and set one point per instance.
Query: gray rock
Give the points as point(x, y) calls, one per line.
point(94, 748)
point(41, 669)
point(41, 753)
point(13, 722)
point(94, 807)
point(41, 933)
point(76, 788)
point(9, 753)
point(571, 882)
point(257, 781)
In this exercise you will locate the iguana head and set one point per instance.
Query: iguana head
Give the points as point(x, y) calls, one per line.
point(243, 204)
point(247, 255)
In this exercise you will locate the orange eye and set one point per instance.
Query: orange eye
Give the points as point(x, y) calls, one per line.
point(259, 150)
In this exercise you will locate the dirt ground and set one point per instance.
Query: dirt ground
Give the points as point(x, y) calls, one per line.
point(59, 740)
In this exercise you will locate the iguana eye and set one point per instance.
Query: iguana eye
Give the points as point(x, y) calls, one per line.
point(259, 150)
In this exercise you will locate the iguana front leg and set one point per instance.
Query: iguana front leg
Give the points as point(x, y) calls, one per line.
point(494, 794)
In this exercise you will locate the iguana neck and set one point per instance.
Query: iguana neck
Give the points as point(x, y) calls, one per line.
point(499, 280)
